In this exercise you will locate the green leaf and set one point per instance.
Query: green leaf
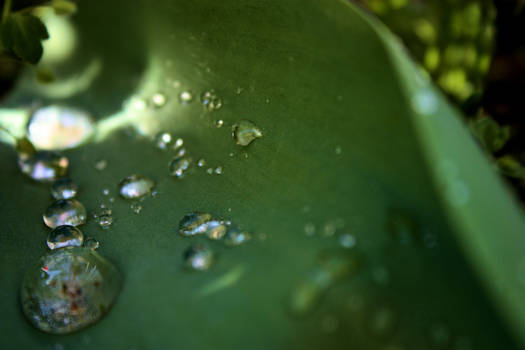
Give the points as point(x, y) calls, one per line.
point(489, 133)
point(354, 140)
point(22, 34)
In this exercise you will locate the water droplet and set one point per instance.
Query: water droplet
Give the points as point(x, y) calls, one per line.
point(163, 140)
point(185, 97)
point(346, 240)
point(65, 236)
point(215, 229)
point(198, 257)
point(309, 229)
point(239, 90)
point(64, 189)
point(218, 170)
point(178, 166)
point(201, 162)
point(237, 237)
point(194, 223)
point(245, 132)
point(158, 100)
point(210, 101)
point(101, 164)
point(178, 143)
point(105, 220)
point(69, 289)
point(58, 127)
point(219, 123)
point(135, 186)
point(91, 243)
point(136, 207)
point(105, 191)
point(338, 150)
point(44, 166)
point(425, 102)
point(209, 171)
point(65, 212)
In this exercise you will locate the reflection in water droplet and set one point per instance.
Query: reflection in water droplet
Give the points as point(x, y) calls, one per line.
point(194, 223)
point(201, 162)
point(135, 186)
point(185, 97)
point(158, 100)
point(210, 101)
point(163, 140)
point(91, 243)
point(245, 132)
point(219, 123)
point(198, 257)
point(218, 170)
point(58, 127)
point(69, 289)
point(64, 189)
point(65, 236)
point(215, 229)
point(178, 166)
point(346, 240)
point(101, 164)
point(44, 166)
point(236, 237)
point(65, 212)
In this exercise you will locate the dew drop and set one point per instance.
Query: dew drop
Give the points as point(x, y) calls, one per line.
point(309, 229)
point(210, 101)
point(44, 166)
point(178, 166)
point(218, 170)
point(219, 123)
point(65, 212)
point(245, 132)
point(237, 237)
point(425, 102)
point(194, 223)
point(346, 240)
point(58, 127)
point(91, 243)
point(163, 140)
point(136, 207)
point(185, 97)
point(178, 143)
point(158, 100)
point(64, 189)
point(198, 257)
point(201, 162)
point(215, 229)
point(239, 90)
point(209, 171)
point(105, 220)
point(69, 289)
point(65, 236)
point(135, 186)
point(101, 164)
point(105, 191)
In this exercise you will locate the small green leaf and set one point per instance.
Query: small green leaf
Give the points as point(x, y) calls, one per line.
point(22, 34)
point(491, 135)
point(64, 7)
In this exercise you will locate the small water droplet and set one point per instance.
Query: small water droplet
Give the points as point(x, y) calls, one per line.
point(309, 229)
point(91, 243)
point(185, 97)
point(201, 162)
point(198, 257)
point(105, 220)
point(65, 236)
point(44, 166)
point(69, 289)
point(237, 237)
point(105, 191)
point(211, 101)
point(178, 166)
point(194, 223)
point(158, 100)
point(64, 189)
point(239, 90)
point(338, 150)
point(59, 127)
point(136, 207)
point(135, 186)
point(178, 143)
point(347, 240)
point(101, 164)
point(219, 123)
point(209, 171)
point(245, 132)
point(65, 212)
point(425, 102)
point(163, 140)
point(215, 229)
point(218, 170)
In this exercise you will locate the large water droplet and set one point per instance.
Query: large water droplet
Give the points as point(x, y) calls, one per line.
point(245, 132)
point(198, 257)
point(69, 289)
point(58, 127)
point(65, 236)
point(135, 186)
point(44, 166)
point(178, 166)
point(194, 223)
point(210, 101)
point(64, 189)
point(65, 212)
